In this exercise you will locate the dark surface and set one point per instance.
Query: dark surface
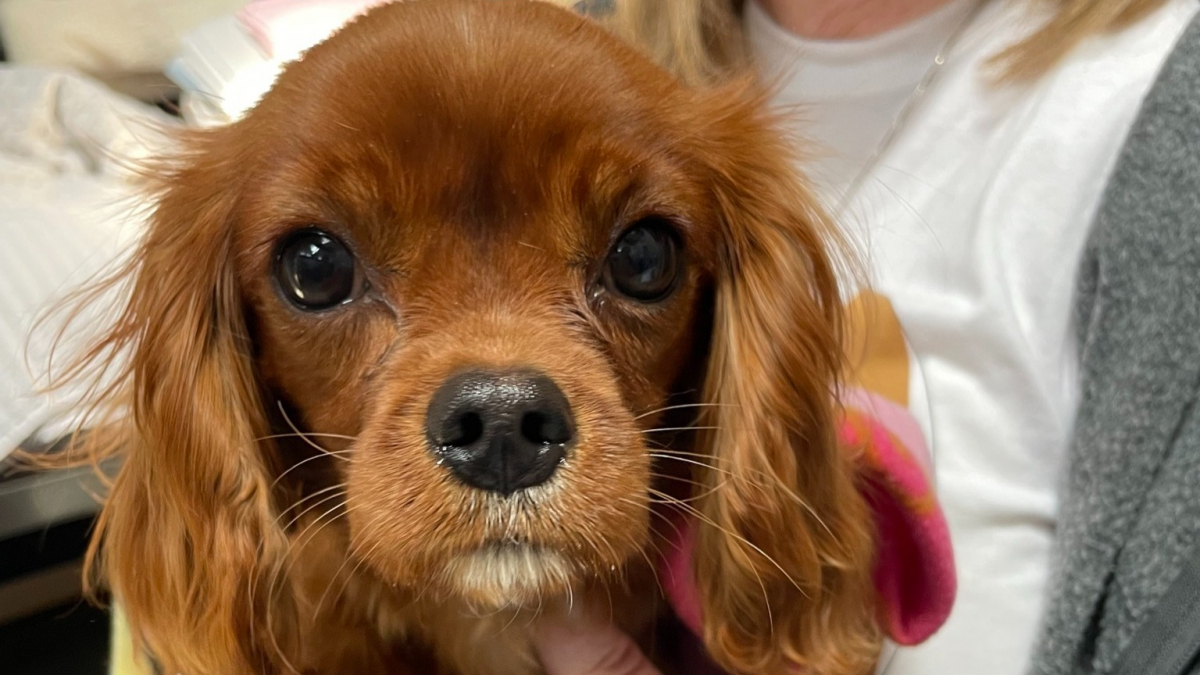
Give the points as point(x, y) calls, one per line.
point(69, 640)
point(43, 549)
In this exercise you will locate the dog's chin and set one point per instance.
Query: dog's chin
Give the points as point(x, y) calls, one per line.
point(511, 575)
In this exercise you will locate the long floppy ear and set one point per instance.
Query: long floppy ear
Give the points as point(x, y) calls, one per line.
point(187, 536)
point(783, 552)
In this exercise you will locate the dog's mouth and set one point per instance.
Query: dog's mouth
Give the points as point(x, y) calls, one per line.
point(469, 509)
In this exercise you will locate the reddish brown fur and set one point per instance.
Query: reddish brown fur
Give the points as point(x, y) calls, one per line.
point(479, 157)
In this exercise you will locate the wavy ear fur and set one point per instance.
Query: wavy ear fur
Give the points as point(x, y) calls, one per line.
point(783, 563)
point(186, 540)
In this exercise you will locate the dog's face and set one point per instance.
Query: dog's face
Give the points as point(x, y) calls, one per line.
point(476, 251)
point(486, 271)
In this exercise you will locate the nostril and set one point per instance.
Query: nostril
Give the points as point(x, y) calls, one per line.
point(545, 428)
point(464, 430)
point(500, 431)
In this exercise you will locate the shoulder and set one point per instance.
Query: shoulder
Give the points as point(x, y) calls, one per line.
point(1086, 105)
point(1178, 82)
point(1148, 228)
point(1136, 296)
point(1162, 151)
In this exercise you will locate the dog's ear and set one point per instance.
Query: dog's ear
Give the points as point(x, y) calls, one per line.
point(187, 538)
point(784, 548)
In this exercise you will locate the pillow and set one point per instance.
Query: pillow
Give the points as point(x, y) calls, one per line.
point(68, 209)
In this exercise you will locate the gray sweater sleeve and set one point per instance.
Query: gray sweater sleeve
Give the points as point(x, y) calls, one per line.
point(1130, 512)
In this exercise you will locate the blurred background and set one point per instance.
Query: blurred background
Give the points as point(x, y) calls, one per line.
point(87, 88)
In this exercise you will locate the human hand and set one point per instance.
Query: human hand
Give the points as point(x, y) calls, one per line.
point(585, 647)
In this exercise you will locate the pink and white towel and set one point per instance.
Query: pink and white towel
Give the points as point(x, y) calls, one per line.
point(914, 571)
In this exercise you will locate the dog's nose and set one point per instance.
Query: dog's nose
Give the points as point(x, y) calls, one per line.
point(500, 431)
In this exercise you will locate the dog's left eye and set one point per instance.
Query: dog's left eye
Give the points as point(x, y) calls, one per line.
point(644, 263)
point(316, 271)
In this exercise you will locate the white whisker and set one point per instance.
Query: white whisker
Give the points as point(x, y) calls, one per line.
point(683, 406)
point(303, 435)
point(307, 460)
point(662, 429)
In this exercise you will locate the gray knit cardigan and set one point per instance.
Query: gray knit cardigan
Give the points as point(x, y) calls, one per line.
point(1125, 598)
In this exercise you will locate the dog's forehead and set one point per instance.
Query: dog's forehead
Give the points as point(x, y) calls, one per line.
point(421, 73)
point(479, 113)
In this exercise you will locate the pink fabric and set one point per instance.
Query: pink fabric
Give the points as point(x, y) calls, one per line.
point(677, 580)
point(914, 572)
point(285, 28)
point(896, 419)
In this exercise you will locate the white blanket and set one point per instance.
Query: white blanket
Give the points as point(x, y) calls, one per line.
point(68, 209)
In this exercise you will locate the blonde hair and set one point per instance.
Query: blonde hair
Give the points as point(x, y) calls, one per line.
point(701, 41)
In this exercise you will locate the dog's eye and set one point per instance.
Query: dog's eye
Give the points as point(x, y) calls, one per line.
point(316, 271)
point(644, 263)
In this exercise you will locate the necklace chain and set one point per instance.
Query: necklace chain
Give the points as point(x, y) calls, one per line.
point(910, 105)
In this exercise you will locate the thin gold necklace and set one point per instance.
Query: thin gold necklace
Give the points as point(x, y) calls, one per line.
point(910, 105)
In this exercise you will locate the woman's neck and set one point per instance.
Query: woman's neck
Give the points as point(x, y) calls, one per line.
point(846, 19)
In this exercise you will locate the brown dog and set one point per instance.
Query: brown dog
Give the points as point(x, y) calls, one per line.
point(446, 333)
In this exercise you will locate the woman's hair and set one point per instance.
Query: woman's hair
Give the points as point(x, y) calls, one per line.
point(701, 40)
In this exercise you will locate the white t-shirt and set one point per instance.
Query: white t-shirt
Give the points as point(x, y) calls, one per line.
point(972, 224)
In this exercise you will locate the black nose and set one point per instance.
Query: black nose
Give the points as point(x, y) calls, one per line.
point(500, 431)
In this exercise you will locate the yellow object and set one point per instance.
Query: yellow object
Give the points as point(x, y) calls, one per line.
point(124, 659)
point(876, 348)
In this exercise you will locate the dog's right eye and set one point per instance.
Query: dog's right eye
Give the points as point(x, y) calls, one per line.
point(316, 271)
point(644, 263)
